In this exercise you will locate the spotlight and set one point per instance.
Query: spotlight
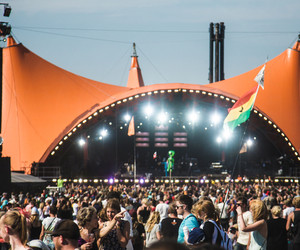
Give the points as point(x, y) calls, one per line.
point(7, 10)
point(193, 116)
point(162, 117)
point(81, 142)
point(219, 139)
point(148, 110)
point(127, 117)
point(111, 181)
point(249, 142)
point(104, 133)
point(5, 29)
point(215, 118)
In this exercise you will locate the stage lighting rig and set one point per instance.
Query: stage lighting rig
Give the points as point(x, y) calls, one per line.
point(5, 29)
point(7, 9)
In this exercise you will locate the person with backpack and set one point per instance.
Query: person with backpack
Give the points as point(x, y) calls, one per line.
point(210, 230)
point(48, 226)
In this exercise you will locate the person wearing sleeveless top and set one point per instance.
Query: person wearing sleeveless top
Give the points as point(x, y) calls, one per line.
point(259, 228)
point(294, 217)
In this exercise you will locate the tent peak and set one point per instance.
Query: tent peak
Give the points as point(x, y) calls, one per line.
point(135, 78)
point(297, 44)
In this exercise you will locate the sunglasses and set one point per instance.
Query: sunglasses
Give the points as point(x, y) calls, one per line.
point(179, 206)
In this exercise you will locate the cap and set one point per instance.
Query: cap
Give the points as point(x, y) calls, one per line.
point(38, 244)
point(68, 229)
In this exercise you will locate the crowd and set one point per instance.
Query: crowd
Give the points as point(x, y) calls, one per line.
point(208, 216)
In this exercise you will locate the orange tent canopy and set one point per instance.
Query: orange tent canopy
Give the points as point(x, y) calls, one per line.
point(42, 103)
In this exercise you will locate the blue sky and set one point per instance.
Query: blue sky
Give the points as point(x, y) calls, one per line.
point(93, 38)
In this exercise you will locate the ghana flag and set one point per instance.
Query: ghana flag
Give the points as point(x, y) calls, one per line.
point(241, 110)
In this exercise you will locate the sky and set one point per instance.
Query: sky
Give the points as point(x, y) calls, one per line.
point(93, 38)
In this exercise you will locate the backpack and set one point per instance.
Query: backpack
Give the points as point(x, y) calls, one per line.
point(226, 242)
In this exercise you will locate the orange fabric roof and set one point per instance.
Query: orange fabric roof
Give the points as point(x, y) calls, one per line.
point(42, 103)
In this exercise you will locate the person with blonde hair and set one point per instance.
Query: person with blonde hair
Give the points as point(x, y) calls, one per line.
point(13, 229)
point(294, 218)
point(259, 228)
point(152, 228)
point(87, 222)
point(277, 234)
point(144, 210)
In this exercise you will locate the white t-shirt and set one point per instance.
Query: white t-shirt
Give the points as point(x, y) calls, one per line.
point(225, 214)
point(287, 211)
point(244, 236)
point(162, 208)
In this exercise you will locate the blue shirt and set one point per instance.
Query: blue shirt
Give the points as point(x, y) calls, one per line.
point(190, 221)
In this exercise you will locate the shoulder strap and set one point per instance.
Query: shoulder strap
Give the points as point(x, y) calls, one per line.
point(50, 224)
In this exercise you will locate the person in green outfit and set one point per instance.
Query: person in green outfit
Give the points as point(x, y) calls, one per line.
point(60, 184)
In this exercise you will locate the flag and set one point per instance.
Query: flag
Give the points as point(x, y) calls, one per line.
point(241, 110)
point(260, 77)
point(155, 155)
point(131, 130)
point(244, 148)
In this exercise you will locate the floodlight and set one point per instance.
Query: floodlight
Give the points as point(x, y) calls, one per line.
point(219, 139)
point(216, 118)
point(7, 10)
point(104, 132)
point(127, 117)
point(81, 142)
point(249, 142)
point(227, 133)
point(148, 110)
point(162, 117)
point(193, 116)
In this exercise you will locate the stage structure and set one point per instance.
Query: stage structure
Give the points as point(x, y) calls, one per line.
point(47, 109)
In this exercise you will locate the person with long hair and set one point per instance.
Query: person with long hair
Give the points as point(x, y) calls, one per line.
point(114, 232)
point(294, 218)
point(13, 229)
point(206, 233)
point(152, 228)
point(88, 222)
point(259, 228)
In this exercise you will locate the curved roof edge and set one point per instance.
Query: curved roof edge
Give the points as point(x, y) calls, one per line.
point(43, 103)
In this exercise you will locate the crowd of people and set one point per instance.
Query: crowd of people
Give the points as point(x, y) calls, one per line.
point(205, 216)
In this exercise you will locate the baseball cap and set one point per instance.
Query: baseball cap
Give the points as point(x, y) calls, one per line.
point(68, 229)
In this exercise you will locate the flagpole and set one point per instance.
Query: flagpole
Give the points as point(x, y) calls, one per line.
point(134, 158)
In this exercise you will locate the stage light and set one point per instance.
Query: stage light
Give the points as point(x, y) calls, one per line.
point(7, 10)
point(142, 181)
point(227, 133)
point(249, 142)
point(216, 118)
point(193, 117)
point(148, 110)
point(127, 117)
point(162, 117)
point(81, 142)
point(111, 181)
point(219, 139)
point(104, 132)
